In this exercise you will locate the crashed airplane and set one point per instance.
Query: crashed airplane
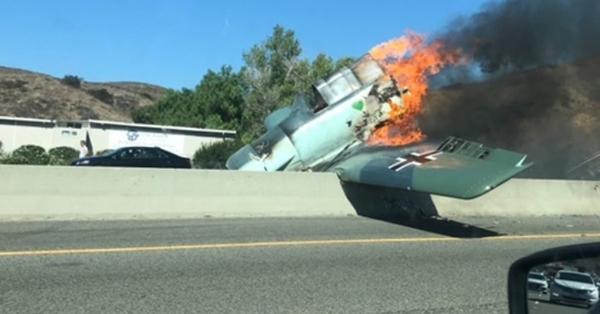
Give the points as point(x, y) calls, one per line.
point(327, 130)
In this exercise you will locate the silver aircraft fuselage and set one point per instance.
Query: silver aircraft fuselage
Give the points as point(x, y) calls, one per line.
point(341, 112)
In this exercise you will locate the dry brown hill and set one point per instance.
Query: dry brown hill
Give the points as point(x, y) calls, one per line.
point(551, 113)
point(36, 95)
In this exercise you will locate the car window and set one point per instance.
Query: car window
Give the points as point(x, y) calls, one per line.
point(148, 153)
point(108, 152)
point(574, 277)
point(128, 153)
point(162, 154)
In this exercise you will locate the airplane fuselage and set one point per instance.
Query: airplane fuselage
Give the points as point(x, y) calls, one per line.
point(306, 137)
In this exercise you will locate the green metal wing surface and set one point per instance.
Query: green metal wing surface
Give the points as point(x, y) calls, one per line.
point(454, 168)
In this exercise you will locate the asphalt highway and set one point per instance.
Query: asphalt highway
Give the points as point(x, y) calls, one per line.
point(539, 304)
point(296, 265)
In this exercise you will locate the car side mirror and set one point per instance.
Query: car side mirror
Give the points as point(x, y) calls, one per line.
point(572, 287)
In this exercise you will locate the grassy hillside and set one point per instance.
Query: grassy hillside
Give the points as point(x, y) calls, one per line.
point(36, 95)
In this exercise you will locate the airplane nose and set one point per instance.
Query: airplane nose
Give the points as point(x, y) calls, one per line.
point(273, 151)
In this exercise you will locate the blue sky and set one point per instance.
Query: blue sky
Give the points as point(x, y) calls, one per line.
point(173, 43)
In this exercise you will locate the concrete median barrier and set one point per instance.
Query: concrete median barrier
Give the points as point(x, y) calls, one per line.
point(42, 192)
point(529, 197)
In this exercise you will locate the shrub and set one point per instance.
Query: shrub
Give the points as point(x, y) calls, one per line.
point(72, 80)
point(62, 155)
point(28, 155)
point(102, 94)
point(2, 154)
point(214, 156)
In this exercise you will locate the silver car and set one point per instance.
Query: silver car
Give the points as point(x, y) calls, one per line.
point(537, 282)
point(574, 288)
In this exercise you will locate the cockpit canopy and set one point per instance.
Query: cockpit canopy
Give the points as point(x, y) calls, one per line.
point(340, 84)
point(330, 89)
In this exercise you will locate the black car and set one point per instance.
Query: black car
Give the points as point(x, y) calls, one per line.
point(152, 157)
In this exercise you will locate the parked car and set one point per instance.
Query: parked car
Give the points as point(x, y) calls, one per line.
point(133, 156)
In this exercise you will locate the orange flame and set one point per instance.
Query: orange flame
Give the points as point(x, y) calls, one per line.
point(411, 71)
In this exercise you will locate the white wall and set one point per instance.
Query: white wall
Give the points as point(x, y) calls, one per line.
point(14, 136)
point(49, 136)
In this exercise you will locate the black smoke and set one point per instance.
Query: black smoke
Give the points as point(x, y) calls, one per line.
point(523, 97)
point(515, 35)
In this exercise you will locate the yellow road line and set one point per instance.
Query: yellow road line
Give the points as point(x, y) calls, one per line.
point(286, 243)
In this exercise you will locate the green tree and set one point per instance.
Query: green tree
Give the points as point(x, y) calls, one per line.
point(214, 155)
point(268, 77)
point(321, 66)
point(220, 99)
point(174, 108)
point(344, 61)
point(273, 73)
point(307, 73)
point(216, 102)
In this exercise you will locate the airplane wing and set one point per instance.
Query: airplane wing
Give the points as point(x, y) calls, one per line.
point(455, 167)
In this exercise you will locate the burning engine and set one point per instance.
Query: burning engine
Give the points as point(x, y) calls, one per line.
point(378, 107)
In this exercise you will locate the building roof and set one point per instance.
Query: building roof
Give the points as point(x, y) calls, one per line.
point(46, 122)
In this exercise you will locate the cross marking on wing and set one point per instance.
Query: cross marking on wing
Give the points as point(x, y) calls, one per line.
point(413, 159)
